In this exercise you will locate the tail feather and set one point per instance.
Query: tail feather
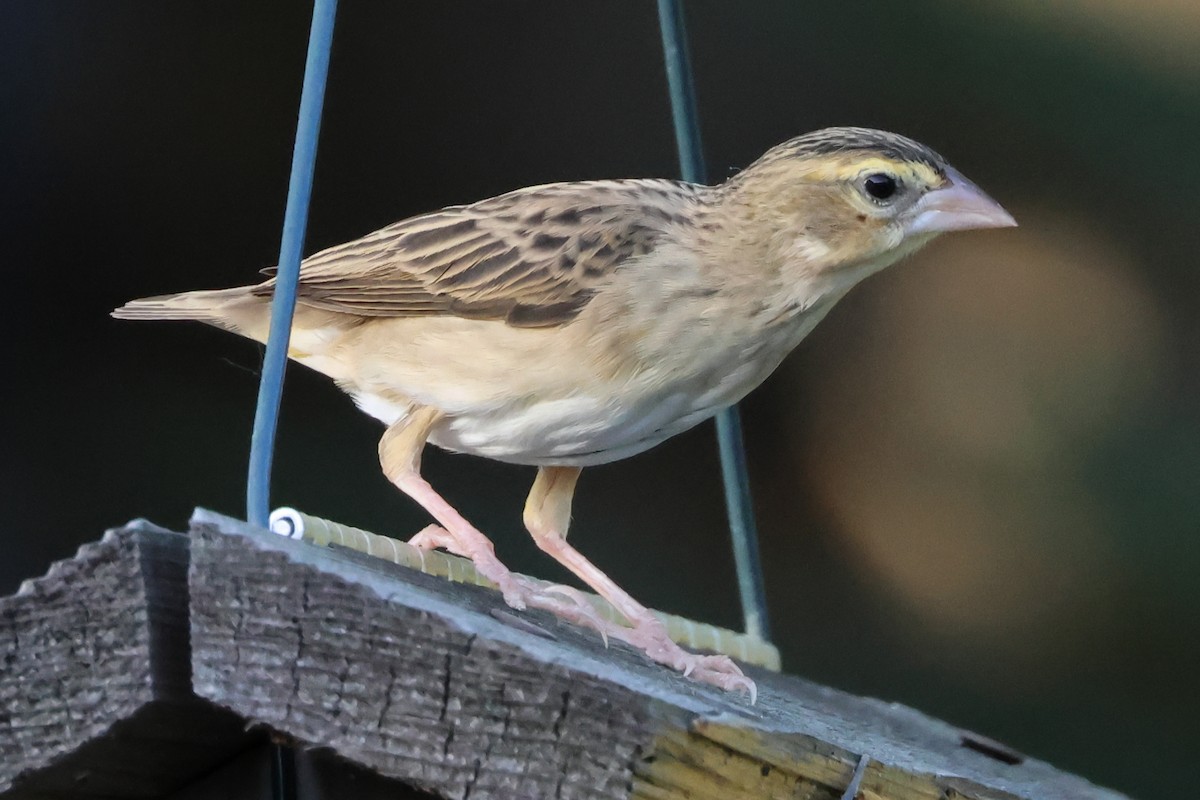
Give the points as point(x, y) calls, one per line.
point(236, 310)
point(206, 306)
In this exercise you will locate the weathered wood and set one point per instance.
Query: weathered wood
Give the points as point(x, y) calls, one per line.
point(429, 688)
point(439, 686)
point(95, 697)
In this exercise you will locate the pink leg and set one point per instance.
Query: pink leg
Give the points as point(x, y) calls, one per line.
point(464, 539)
point(400, 454)
point(547, 514)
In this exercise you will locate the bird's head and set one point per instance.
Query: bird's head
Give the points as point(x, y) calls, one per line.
point(857, 199)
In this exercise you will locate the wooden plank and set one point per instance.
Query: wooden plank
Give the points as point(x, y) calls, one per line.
point(440, 686)
point(95, 696)
point(393, 683)
point(152, 659)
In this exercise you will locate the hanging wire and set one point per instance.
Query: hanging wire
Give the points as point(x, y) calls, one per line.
point(283, 771)
point(729, 425)
point(291, 250)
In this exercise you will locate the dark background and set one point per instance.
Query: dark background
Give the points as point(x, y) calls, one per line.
point(977, 481)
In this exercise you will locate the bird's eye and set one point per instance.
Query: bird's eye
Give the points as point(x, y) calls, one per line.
point(880, 185)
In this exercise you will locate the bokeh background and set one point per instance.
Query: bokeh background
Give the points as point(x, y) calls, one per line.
point(977, 480)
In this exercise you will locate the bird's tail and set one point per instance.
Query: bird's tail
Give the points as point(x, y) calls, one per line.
point(203, 306)
point(233, 309)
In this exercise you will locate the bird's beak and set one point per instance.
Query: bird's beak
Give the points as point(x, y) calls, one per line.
point(958, 206)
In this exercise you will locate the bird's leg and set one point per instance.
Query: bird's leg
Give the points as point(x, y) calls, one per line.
point(547, 516)
point(400, 455)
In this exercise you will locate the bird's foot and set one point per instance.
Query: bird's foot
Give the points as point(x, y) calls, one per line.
point(432, 537)
point(647, 633)
point(566, 603)
point(519, 592)
point(481, 553)
point(650, 636)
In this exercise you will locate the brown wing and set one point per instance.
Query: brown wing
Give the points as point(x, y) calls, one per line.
point(532, 258)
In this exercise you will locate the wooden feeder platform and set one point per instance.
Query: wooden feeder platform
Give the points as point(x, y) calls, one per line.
point(161, 664)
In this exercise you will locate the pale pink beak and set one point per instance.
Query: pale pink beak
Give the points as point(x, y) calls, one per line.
point(958, 206)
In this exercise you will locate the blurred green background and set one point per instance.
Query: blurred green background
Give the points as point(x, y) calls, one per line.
point(977, 480)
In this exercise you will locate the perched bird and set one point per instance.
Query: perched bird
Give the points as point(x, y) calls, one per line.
point(573, 324)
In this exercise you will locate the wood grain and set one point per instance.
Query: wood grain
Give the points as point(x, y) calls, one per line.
point(122, 679)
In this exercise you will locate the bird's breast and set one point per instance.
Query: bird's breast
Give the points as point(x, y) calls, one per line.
point(605, 387)
point(609, 419)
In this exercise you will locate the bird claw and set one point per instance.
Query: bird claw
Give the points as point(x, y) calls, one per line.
point(725, 674)
point(578, 611)
point(716, 670)
point(432, 537)
point(648, 634)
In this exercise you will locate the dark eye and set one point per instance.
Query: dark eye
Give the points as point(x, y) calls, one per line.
point(880, 185)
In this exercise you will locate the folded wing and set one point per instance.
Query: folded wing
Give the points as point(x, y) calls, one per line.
point(532, 258)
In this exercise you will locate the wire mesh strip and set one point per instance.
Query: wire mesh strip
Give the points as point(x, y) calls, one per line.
point(734, 472)
point(297, 525)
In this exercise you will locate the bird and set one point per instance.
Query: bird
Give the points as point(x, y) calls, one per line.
point(571, 324)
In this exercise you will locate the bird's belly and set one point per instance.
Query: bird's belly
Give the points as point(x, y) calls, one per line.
point(582, 417)
point(571, 431)
point(583, 429)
